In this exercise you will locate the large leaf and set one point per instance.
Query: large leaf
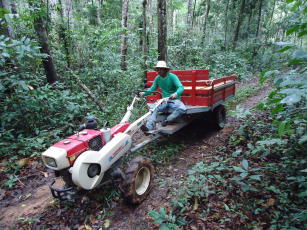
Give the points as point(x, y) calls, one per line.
point(285, 49)
point(244, 164)
point(291, 99)
point(239, 169)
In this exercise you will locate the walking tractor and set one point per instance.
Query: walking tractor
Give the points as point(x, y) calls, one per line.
point(93, 157)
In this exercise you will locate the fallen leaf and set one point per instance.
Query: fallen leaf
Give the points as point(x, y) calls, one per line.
point(87, 227)
point(270, 202)
point(22, 162)
point(106, 223)
point(23, 205)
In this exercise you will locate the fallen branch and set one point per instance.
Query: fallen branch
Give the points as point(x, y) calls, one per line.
point(87, 90)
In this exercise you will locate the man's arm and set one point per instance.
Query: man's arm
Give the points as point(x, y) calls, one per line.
point(152, 88)
point(179, 87)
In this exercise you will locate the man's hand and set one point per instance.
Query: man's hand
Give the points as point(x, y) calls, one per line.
point(141, 94)
point(173, 96)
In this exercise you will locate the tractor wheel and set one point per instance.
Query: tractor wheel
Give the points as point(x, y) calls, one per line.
point(219, 116)
point(138, 180)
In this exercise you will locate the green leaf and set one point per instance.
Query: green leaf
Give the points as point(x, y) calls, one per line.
point(302, 140)
point(289, 1)
point(302, 194)
point(243, 175)
point(5, 55)
point(277, 109)
point(285, 49)
point(291, 99)
point(256, 177)
point(302, 33)
point(295, 62)
point(292, 29)
point(238, 169)
point(245, 164)
point(281, 128)
point(226, 207)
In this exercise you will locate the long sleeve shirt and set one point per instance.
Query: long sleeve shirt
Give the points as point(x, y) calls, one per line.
point(168, 85)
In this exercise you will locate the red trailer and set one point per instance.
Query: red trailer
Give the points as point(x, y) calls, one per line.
point(200, 95)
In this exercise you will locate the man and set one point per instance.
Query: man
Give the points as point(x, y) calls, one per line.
point(171, 87)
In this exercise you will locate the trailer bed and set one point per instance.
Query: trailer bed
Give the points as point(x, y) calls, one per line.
point(200, 94)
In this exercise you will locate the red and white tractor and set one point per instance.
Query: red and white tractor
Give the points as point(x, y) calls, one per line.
point(92, 157)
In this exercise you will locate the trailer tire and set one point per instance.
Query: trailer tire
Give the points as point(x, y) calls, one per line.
point(219, 116)
point(138, 180)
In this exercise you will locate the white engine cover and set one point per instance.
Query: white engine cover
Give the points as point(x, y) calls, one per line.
point(105, 157)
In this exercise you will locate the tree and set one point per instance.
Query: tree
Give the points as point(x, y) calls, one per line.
point(206, 20)
point(239, 22)
point(226, 24)
point(43, 40)
point(190, 14)
point(144, 35)
point(63, 33)
point(7, 7)
point(162, 30)
point(124, 49)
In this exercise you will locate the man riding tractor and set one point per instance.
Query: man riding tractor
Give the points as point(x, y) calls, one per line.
point(171, 87)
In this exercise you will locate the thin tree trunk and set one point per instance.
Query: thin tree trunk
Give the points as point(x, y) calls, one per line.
point(189, 18)
point(63, 33)
point(206, 21)
point(171, 15)
point(239, 22)
point(226, 24)
point(43, 40)
point(124, 49)
point(193, 15)
point(162, 30)
point(272, 14)
point(7, 29)
point(144, 34)
point(255, 51)
point(259, 18)
point(3, 28)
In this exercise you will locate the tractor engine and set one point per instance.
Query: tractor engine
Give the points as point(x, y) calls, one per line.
point(63, 153)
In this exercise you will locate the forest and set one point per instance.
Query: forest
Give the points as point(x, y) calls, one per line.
point(62, 60)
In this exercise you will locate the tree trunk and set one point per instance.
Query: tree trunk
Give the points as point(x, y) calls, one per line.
point(258, 27)
point(193, 15)
point(226, 25)
point(7, 30)
point(272, 14)
point(162, 30)
point(259, 18)
point(63, 34)
point(43, 40)
point(206, 20)
point(3, 28)
point(190, 11)
point(144, 34)
point(239, 22)
point(124, 49)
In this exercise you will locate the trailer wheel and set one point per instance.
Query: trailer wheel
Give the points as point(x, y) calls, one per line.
point(138, 180)
point(219, 115)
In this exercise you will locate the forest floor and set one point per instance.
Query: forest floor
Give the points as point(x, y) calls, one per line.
point(29, 204)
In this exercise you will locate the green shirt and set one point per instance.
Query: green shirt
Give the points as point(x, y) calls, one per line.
point(168, 85)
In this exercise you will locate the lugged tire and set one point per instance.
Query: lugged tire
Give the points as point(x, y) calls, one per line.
point(219, 116)
point(138, 180)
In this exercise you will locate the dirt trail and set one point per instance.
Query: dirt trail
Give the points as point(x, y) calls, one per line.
point(35, 200)
point(160, 196)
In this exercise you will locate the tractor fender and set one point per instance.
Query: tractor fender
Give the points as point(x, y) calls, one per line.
point(103, 158)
